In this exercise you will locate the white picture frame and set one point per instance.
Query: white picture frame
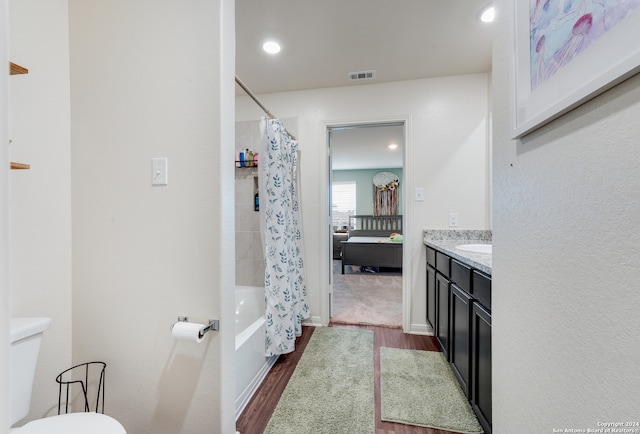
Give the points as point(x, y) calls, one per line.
point(611, 58)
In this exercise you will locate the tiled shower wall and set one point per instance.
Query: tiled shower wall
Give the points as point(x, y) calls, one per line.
point(249, 252)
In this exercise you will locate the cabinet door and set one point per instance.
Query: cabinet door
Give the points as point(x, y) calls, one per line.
point(460, 338)
point(442, 314)
point(431, 297)
point(481, 365)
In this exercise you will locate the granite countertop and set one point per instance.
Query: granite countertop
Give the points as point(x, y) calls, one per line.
point(447, 240)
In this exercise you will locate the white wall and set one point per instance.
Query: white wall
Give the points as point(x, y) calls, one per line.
point(154, 79)
point(447, 157)
point(4, 221)
point(155, 87)
point(565, 265)
point(41, 197)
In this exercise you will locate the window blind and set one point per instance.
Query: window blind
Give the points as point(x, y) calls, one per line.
point(343, 198)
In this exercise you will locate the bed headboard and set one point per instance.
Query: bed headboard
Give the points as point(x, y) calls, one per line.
point(374, 226)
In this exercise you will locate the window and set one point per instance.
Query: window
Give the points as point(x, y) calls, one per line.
point(343, 198)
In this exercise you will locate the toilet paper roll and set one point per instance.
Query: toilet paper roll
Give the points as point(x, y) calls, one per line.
point(188, 331)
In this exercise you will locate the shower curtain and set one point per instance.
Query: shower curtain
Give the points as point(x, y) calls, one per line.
point(281, 226)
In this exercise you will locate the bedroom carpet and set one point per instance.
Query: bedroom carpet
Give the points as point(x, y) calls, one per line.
point(367, 298)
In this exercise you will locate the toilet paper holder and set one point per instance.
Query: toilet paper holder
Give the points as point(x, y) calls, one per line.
point(214, 324)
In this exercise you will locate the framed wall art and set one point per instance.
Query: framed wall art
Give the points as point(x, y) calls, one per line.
point(566, 52)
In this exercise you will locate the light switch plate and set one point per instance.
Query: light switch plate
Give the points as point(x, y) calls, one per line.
point(419, 194)
point(453, 219)
point(159, 171)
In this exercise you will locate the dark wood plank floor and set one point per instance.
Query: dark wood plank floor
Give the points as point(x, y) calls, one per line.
point(256, 415)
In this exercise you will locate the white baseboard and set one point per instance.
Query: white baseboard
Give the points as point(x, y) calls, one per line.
point(421, 329)
point(248, 393)
point(416, 329)
point(313, 321)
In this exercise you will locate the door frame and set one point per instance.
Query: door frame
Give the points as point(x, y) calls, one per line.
point(327, 261)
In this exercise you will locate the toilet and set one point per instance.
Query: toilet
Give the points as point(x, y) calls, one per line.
point(25, 338)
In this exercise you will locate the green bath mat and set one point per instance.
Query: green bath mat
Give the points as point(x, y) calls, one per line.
point(331, 389)
point(419, 388)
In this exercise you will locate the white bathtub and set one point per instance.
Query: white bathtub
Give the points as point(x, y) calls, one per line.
point(251, 364)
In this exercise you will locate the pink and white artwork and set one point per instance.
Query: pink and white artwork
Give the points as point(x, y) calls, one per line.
point(562, 29)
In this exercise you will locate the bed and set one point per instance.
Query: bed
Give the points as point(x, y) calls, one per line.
point(368, 242)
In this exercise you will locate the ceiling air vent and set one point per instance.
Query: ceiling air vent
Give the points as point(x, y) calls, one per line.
point(362, 75)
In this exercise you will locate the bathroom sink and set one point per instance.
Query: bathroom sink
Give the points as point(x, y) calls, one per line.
point(475, 248)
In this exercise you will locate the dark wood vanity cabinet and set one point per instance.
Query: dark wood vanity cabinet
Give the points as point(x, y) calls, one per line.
point(481, 365)
point(459, 311)
point(438, 297)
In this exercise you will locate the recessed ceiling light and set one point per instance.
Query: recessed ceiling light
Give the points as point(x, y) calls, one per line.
point(393, 146)
point(488, 14)
point(271, 47)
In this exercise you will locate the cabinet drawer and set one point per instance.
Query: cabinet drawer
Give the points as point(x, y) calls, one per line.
point(443, 264)
point(482, 289)
point(431, 257)
point(461, 275)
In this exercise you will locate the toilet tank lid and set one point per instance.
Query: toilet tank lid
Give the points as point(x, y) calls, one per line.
point(25, 327)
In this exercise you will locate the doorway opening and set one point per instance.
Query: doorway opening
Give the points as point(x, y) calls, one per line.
point(366, 207)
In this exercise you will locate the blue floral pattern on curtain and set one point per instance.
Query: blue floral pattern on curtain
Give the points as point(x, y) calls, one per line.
point(285, 288)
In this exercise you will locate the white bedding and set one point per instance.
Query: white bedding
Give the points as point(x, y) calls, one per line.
point(371, 240)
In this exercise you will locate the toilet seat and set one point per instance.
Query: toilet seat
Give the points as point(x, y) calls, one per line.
point(72, 423)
